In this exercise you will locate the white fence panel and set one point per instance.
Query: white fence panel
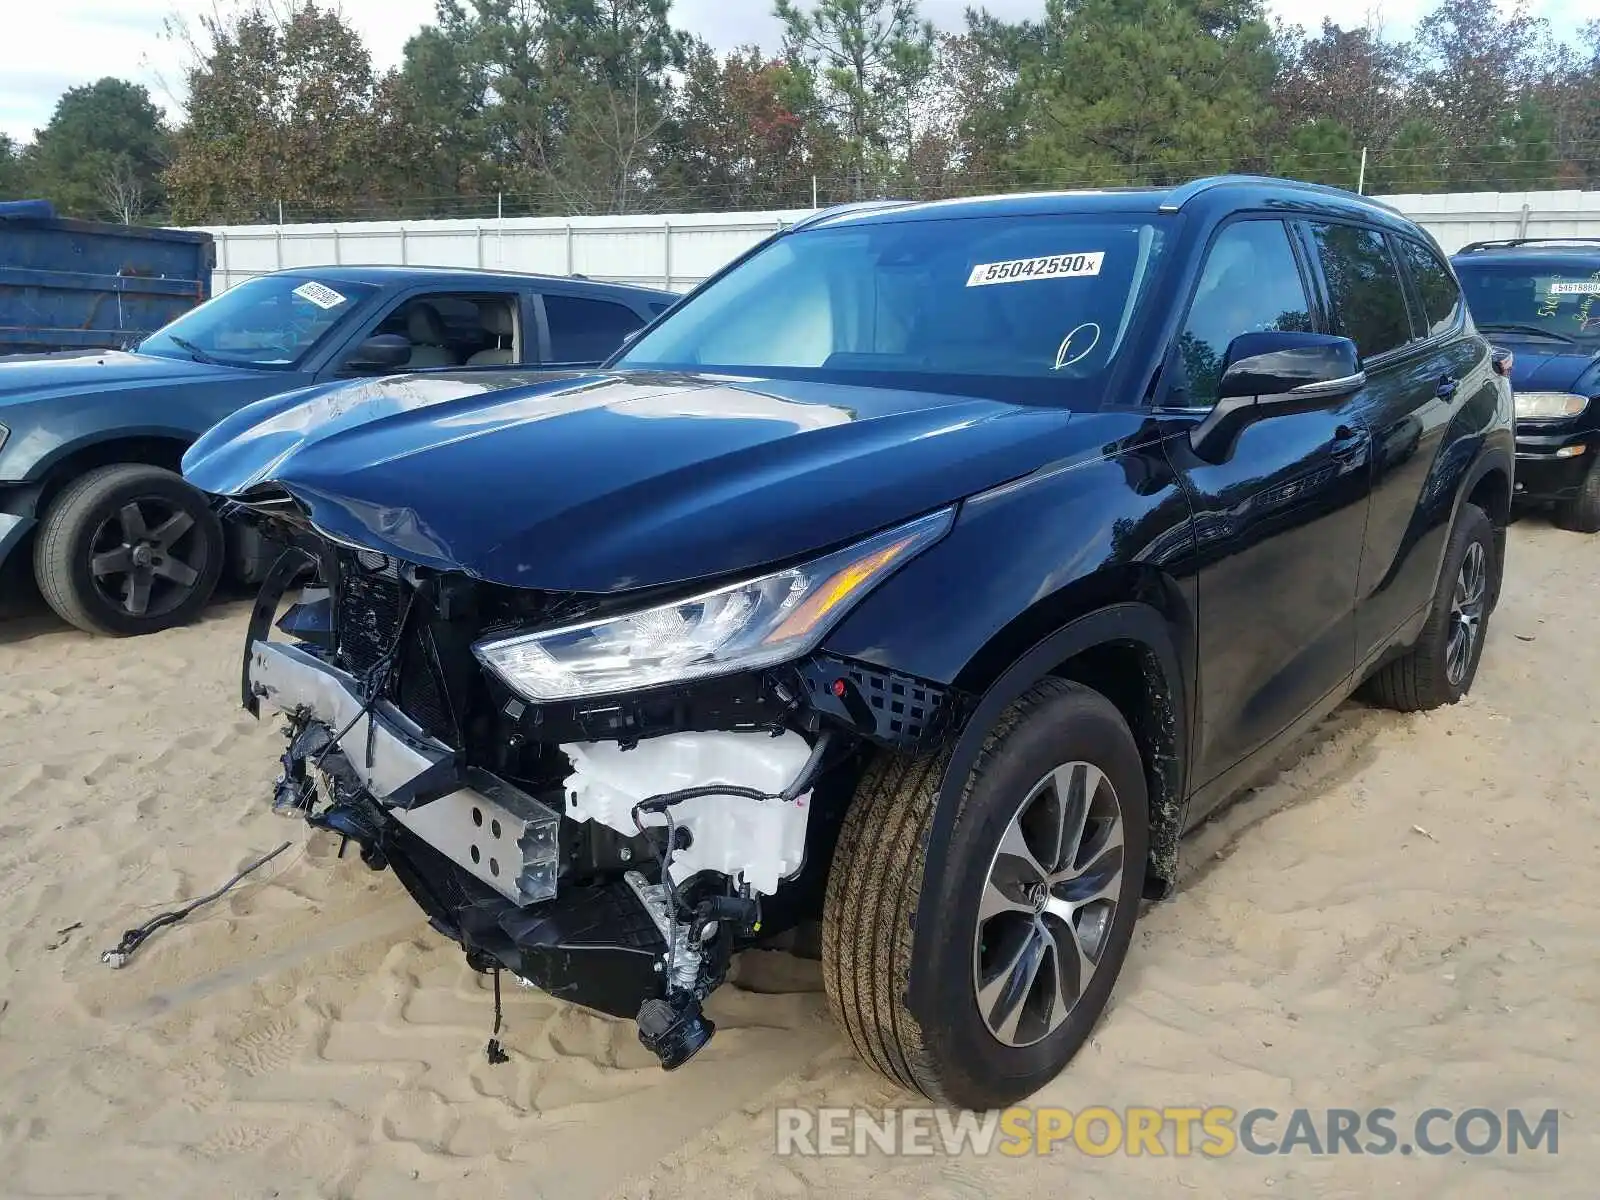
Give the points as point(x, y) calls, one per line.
point(675, 252)
point(1456, 218)
point(679, 251)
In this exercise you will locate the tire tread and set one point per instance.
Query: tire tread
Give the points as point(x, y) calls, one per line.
point(1581, 514)
point(873, 891)
point(1416, 682)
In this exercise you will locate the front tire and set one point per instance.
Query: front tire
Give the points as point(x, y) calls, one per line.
point(1440, 668)
point(1034, 911)
point(1581, 514)
point(129, 549)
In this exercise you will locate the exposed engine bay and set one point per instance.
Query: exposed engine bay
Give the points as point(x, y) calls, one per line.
point(614, 850)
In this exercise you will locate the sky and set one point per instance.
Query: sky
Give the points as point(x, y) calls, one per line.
point(65, 43)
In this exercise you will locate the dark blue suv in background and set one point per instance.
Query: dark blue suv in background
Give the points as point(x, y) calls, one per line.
point(1540, 297)
point(927, 572)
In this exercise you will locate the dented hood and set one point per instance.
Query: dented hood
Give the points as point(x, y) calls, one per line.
point(602, 482)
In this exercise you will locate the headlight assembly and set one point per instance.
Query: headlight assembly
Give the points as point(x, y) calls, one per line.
point(757, 623)
point(1549, 406)
point(4, 434)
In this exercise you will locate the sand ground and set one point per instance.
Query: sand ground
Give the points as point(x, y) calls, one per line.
point(1405, 917)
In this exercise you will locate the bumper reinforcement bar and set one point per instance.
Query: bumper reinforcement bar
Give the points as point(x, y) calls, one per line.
point(496, 832)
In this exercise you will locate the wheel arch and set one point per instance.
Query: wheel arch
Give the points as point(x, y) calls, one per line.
point(1489, 487)
point(1126, 649)
point(155, 448)
point(1488, 483)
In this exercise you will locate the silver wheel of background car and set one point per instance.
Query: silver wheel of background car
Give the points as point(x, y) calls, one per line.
point(1048, 903)
point(1466, 613)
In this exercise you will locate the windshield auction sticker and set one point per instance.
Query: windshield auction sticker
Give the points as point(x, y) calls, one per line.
point(1575, 287)
point(322, 297)
point(1050, 266)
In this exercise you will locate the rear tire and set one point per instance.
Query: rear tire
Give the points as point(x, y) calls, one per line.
point(1581, 514)
point(971, 1046)
point(1437, 671)
point(128, 549)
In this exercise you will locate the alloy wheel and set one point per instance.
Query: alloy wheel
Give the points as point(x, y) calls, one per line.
point(1466, 613)
point(1048, 904)
point(142, 558)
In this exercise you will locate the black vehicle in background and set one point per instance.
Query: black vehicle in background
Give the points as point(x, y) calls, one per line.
point(928, 571)
point(1540, 298)
point(90, 439)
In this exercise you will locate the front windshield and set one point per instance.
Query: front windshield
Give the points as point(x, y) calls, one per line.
point(982, 304)
point(271, 322)
point(1558, 301)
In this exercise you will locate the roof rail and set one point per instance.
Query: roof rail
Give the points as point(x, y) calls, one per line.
point(1510, 243)
point(810, 219)
point(1179, 196)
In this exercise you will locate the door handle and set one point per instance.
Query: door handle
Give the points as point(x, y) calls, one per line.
point(1348, 442)
point(1447, 387)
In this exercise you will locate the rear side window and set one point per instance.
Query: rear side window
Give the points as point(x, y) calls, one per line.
point(587, 330)
point(1369, 302)
point(1250, 284)
point(1441, 298)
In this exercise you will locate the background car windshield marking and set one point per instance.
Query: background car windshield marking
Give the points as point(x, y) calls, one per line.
point(1527, 294)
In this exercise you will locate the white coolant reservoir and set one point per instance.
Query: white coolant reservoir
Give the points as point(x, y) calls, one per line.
point(762, 841)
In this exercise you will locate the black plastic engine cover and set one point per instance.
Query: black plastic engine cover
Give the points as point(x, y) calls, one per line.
point(595, 946)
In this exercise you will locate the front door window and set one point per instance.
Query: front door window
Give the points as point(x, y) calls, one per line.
point(1250, 284)
point(456, 329)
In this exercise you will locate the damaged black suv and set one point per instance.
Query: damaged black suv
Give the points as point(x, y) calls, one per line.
point(926, 572)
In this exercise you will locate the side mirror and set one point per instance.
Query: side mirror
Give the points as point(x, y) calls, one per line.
point(384, 352)
point(1275, 374)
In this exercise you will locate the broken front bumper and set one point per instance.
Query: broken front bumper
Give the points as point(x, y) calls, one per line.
point(495, 832)
point(596, 945)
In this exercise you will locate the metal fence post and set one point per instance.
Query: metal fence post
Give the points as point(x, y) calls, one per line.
point(666, 251)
